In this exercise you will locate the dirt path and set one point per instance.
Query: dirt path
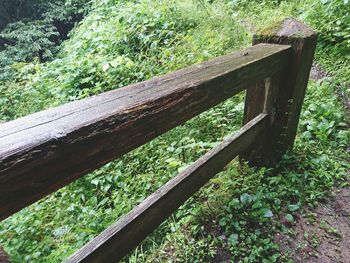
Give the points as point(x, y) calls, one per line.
point(323, 236)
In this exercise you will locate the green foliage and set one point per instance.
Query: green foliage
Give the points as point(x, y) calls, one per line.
point(321, 121)
point(332, 19)
point(238, 213)
point(34, 28)
point(31, 39)
point(18, 99)
point(264, 3)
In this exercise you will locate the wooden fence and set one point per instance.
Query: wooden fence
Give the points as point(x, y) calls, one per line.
point(45, 151)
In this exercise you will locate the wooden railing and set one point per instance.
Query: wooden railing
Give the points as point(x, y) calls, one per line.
point(45, 151)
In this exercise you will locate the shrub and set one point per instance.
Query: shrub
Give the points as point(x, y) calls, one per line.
point(332, 20)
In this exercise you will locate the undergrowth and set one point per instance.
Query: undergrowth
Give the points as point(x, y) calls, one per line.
point(238, 213)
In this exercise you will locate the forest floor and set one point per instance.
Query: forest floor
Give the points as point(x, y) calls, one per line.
point(321, 235)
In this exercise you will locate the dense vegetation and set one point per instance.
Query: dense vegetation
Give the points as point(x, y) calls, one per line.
point(33, 28)
point(121, 42)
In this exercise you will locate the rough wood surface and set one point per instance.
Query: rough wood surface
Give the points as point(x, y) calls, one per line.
point(287, 90)
point(261, 97)
point(116, 241)
point(45, 151)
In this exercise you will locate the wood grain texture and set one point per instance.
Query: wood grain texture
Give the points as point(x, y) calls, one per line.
point(287, 90)
point(116, 241)
point(261, 97)
point(45, 151)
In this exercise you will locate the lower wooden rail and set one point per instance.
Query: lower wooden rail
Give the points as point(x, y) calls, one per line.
point(116, 241)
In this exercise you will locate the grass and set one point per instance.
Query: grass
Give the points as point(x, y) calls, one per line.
point(238, 213)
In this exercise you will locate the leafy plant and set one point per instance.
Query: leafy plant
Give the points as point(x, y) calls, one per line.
point(332, 18)
point(34, 28)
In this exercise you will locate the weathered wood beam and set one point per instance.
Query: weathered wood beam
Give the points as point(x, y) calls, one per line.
point(281, 95)
point(116, 241)
point(45, 151)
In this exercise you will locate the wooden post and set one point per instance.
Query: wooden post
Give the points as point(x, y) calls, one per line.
point(281, 95)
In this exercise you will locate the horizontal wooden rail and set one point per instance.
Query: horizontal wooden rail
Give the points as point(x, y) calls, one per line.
point(45, 151)
point(116, 241)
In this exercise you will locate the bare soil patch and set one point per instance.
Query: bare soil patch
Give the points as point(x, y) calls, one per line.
point(323, 236)
point(317, 73)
